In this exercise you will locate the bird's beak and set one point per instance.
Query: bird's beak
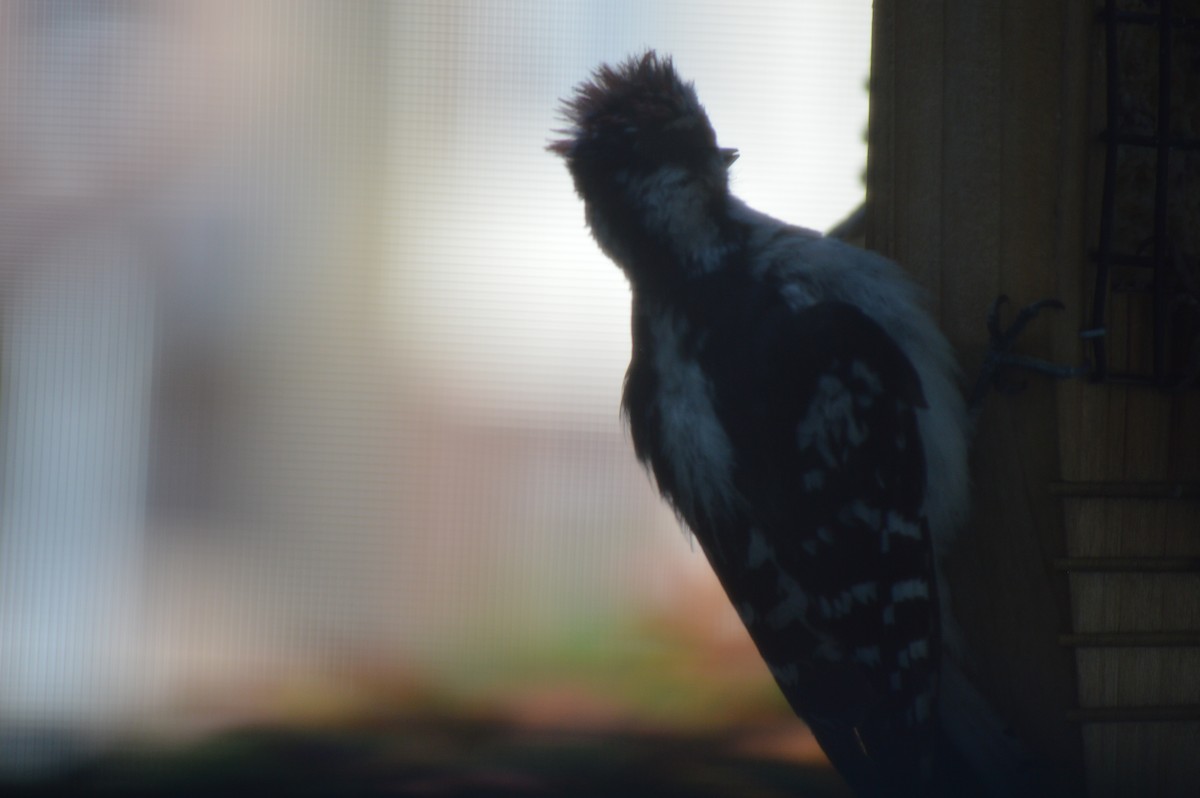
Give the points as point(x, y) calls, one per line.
point(728, 155)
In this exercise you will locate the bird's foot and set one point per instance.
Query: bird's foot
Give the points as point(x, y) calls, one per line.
point(1000, 357)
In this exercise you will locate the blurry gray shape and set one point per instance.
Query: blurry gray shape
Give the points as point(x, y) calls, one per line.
point(77, 359)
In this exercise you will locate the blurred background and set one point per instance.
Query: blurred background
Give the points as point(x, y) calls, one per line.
point(310, 371)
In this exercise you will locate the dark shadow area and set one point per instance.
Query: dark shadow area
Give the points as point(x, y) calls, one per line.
point(450, 757)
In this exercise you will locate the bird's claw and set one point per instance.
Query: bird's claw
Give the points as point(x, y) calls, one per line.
point(1003, 340)
point(1000, 355)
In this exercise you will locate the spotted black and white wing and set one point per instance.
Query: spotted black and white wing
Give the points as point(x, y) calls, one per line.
point(824, 550)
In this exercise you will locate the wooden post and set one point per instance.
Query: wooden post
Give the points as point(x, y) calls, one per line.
point(1078, 579)
point(975, 184)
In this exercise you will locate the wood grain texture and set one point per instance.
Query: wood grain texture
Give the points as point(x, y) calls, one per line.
point(1138, 437)
point(1008, 100)
point(906, 150)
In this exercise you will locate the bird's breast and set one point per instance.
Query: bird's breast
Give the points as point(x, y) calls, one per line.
point(670, 403)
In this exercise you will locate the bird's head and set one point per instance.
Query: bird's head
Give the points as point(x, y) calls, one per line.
point(645, 159)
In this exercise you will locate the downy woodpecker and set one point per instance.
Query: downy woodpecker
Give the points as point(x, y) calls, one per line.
point(799, 410)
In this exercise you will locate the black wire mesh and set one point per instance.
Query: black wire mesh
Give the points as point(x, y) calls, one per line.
point(1146, 305)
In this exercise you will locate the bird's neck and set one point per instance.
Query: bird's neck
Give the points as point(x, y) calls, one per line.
point(681, 210)
point(669, 224)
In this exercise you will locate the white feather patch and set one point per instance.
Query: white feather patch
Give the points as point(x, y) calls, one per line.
point(695, 445)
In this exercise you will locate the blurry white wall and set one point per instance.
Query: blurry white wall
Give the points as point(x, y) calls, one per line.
point(308, 360)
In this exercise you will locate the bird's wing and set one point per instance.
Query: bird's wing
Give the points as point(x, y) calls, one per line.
point(836, 584)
